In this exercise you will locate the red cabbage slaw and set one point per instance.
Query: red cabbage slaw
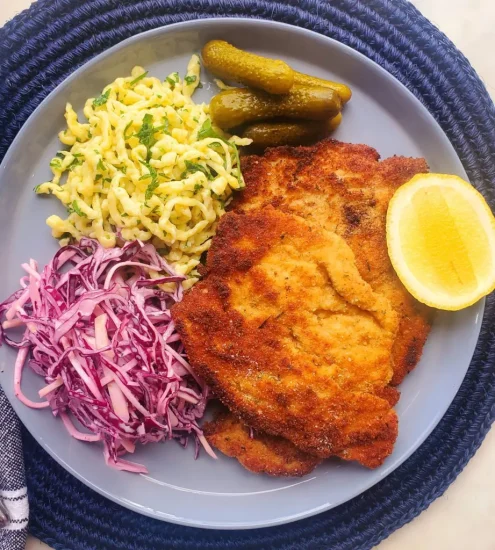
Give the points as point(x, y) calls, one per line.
point(100, 332)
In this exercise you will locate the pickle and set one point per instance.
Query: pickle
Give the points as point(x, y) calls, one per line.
point(306, 80)
point(274, 134)
point(334, 123)
point(230, 63)
point(238, 106)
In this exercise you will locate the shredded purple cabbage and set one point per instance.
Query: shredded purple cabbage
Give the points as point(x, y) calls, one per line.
point(99, 331)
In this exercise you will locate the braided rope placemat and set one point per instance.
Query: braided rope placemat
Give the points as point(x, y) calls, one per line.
point(43, 45)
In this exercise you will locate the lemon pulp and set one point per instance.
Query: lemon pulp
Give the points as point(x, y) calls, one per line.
point(441, 240)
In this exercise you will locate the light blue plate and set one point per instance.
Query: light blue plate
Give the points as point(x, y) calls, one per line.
point(222, 494)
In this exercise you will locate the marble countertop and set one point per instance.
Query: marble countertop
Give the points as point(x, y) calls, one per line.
point(469, 503)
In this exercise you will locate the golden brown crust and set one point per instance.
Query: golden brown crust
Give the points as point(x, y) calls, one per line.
point(345, 188)
point(261, 453)
point(291, 338)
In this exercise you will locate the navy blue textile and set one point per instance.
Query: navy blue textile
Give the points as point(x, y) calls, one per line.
point(42, 46)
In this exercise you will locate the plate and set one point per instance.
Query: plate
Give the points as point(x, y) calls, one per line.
point(221, 494)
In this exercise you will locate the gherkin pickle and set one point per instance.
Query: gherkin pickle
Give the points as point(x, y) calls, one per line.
point(334, 123)
point(275, 133)
point(238, 106)
point(230, 63)
point(307, 80)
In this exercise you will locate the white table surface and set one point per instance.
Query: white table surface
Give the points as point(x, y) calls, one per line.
point(463, 518)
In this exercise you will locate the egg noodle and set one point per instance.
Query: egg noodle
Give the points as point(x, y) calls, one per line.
point(147, 165)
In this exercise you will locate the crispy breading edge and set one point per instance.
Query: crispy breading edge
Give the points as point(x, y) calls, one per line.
point(277, 456)
point(262, 453)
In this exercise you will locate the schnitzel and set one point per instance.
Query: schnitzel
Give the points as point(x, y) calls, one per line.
point(259, 453)
point(292, 339)
point(303, 334)
point(344, 188)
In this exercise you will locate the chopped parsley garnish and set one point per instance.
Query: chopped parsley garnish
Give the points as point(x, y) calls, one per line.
point(173, 79)
point(36, 188)
point(166, 125)
point(102, 99)
point(197, 187)
point(195, 167)
point(137, 79)
point(154, 180)
point(125, 130)
point(146, 133)
point(191, 79)
point(101, 166)
point(207, 131)
point(98, 177)
point(76, 162)
point(55, 163)
point(77, 210)
point(151, 189)
point(238, 160)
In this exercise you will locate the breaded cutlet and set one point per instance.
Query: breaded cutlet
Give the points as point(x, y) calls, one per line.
point(346, 189)
point(292, 339)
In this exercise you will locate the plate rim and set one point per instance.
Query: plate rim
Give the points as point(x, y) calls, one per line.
point(263, 23)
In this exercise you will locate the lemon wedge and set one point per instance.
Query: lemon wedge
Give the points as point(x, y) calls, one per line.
point(441, 241)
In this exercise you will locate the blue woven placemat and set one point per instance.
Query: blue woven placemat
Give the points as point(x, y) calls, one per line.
point(42, 46)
